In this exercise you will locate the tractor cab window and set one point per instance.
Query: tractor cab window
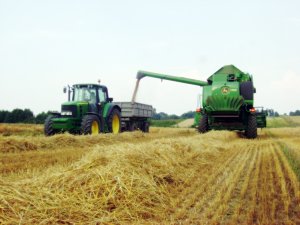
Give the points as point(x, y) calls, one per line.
point(86, 94)
point(102, 95)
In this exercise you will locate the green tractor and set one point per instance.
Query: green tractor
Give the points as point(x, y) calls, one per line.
point(88, 111)
point(227, 101)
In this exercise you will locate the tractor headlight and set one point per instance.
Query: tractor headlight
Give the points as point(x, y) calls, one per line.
point(66, 113)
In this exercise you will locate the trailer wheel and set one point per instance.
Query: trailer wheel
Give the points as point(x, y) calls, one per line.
point(145, 127)
point(203, 124)
point(133, 126)
point(90, 125)
point(251, 130)
point(247, 90)
point(48, 129)
point(114, 122)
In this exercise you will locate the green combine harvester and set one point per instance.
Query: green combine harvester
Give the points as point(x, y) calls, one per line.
point(227, 100)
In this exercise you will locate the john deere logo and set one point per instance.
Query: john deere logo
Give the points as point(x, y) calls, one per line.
point(225, 90)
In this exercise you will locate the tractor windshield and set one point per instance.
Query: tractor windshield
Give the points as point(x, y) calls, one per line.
point(84, 93)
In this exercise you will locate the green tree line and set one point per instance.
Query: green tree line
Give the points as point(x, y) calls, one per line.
point(296, 113)
point(22, 116)
point(165, 116)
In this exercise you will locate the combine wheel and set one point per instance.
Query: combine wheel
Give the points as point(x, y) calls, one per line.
point(90, 125)
point(203, 124)
point(114, 122)
point(48, 130)
point(247, 90)
point(251, 130)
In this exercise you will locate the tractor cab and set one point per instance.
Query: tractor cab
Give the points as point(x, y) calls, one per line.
point(95, 95)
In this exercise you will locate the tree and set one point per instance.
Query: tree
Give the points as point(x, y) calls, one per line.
point(173, 117)
point(187, 115)
point(296, 113)
point(3, 115)
point(19, 116)
point(41, 117)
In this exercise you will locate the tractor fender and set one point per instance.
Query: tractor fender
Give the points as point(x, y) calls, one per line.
point(111, 108)
point(100, 117)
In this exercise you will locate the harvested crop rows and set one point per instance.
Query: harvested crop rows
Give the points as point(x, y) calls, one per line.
point(169, 176)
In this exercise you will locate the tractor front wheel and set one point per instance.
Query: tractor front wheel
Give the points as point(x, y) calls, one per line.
point(114, 122)
point(203, 124)
point(48, 129)
point(251, 130)
point(90, 125)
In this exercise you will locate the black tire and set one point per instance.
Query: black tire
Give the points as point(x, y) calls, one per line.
point(251, 130)
point(247, 90)
point(88, 125)
point(48, 129)
point(115, 113)
point(203, 124)
point(145, 127)
point(133, 126)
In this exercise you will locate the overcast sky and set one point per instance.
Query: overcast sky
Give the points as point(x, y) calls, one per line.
point(45, 45)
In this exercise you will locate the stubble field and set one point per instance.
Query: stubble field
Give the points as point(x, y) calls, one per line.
point(169, 176)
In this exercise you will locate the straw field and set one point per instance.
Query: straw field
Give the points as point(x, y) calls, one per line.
point(169, 176)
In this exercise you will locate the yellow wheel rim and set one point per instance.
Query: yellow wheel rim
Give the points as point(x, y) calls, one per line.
point(115, 124)
point(95, 127)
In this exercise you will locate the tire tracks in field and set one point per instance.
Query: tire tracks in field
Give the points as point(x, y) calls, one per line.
point(203, 196)
point(236, 207)
point(248, 191)
point(216, 206)
point(188, 198)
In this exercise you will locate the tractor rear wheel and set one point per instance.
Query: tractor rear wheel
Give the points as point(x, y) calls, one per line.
point(203, 124)
point(247, 90)
point(48, 129)
point(251, 130)
point(90, 125)
point(114, 122)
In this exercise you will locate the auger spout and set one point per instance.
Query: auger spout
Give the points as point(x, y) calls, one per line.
point(185, 80)
point(142, 74)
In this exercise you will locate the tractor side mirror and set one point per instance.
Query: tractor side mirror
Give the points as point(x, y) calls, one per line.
point(110, 99)
point(65, 90)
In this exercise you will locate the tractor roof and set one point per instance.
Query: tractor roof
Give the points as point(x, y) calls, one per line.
point(90, 85)
point(228, 69)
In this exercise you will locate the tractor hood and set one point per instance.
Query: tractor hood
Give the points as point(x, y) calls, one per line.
point(76, 103)
point(73, 108)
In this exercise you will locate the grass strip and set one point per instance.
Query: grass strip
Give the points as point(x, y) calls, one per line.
point(291, 158)
point(294, 163)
